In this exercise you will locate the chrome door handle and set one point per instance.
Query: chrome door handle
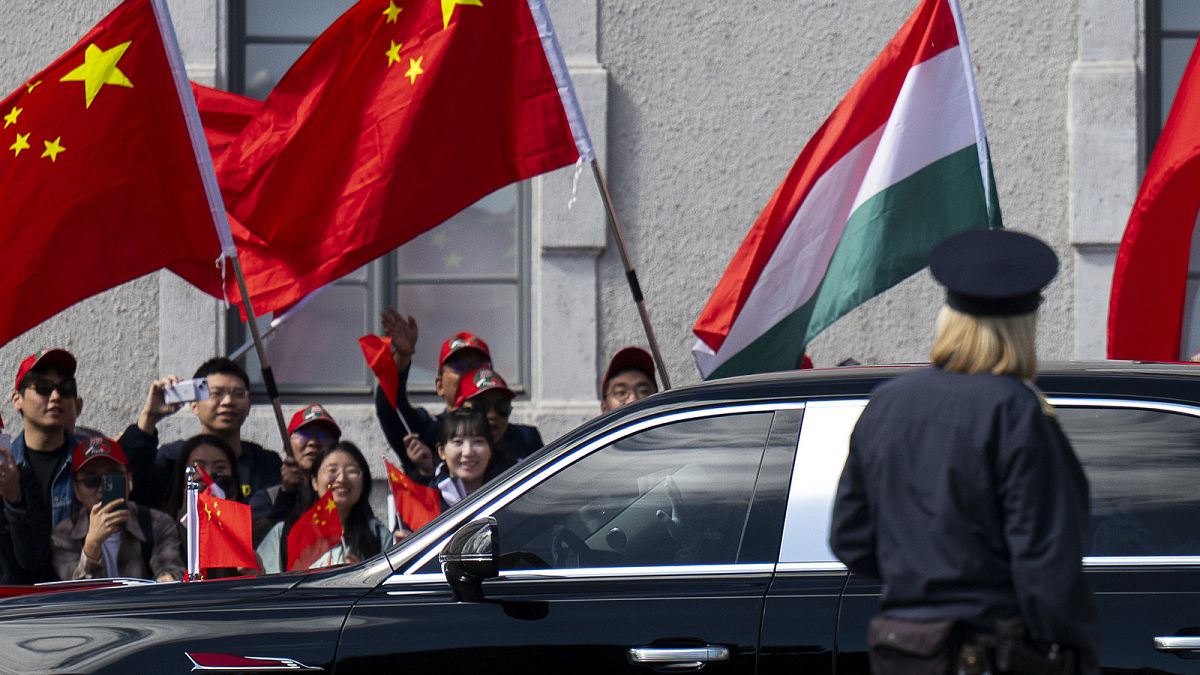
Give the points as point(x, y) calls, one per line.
point(678, 658)
point(1177, 644)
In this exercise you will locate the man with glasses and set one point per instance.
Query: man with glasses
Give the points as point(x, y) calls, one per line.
point(35, 477)
point(221, 415)
point(484, 390)
point(311, 432)
point(628, 378)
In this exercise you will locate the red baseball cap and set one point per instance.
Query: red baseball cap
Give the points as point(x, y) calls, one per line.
point(462, 341)
point(478, 381)
point(97, 447)
point(626, 358)
point(313, 414)
point(57, 358)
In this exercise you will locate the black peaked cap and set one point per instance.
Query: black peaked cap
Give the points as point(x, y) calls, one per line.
point(993, 272)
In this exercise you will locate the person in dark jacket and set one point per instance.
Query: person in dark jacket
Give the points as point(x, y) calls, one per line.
point(311, 432)
point(960, 491)
point(465, 447)
point(485, 391)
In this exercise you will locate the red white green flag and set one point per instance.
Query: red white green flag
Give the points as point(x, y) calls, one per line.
point(901, 164)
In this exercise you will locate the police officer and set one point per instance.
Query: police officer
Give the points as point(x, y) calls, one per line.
point(962, 494)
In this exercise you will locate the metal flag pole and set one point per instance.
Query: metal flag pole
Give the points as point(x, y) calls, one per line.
point(193, 525)
point(630, 273)
point(212, 191)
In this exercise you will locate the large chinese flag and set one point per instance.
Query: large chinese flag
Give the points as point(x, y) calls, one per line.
point(225, 534)
point(397, 117)
point(416, 504)
point(317, 531)
point(99, 178)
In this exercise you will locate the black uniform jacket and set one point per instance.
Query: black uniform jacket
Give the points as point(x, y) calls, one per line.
point(963, 496)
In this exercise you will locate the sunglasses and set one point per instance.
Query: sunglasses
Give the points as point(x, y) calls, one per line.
point(503, 406)
point(65, 388)
point(310, 434)
point(90, 481)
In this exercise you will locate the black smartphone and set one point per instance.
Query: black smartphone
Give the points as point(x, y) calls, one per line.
point(112, 488)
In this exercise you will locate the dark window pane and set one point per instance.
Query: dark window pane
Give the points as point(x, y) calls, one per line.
point(673, 495)
point(292, 18)
point(266, 65)
point(1180, 15)
point(1175, 55)
point(1143, 467)
point(488, 310)
point(479, 241)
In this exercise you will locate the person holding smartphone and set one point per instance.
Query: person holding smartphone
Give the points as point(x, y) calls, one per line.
point(110, 536)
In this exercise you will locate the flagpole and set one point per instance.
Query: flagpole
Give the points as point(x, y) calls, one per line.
point(630, 274)
point(216, 206)
point(193, 525)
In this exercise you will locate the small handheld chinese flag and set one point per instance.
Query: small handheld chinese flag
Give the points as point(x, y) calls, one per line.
point(317, 531)
point(225, 534)
point(378, 353)
point(416, 504)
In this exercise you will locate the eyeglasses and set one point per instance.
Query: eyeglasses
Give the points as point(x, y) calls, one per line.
point(307, 434)
point(235, 393)
point(621, 393)
point(502, 406)
point(328, 473)
point(66, 388)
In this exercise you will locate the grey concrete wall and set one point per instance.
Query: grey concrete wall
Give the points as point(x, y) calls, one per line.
point(711, 102)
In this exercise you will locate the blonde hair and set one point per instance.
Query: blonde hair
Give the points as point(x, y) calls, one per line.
point(1000, 345)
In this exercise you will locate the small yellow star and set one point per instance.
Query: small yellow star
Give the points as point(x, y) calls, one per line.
point(22, 143)
point(393, 54)
point(11, 117)
point(329, 505)
point(449, 5)
point(29, 87)
point(453, 260)
point(414, 69)
point(53, 148)
point(392, 12)
point(99, 68)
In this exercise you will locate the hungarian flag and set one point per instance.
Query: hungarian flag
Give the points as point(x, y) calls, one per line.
point(100, 179)
point(317, 531)
point(1145, 310)
point(901, 164)
point(225, 534)
point(415, 504)
point(396, 118)
point(378, 353)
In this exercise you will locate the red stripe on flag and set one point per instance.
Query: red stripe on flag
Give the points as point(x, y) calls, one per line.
point(866, 107)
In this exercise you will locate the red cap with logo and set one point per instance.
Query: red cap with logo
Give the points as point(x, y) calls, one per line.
point(462, 341)
point(97, 447)
point(312, 414)
point(60, 359)
point(478, 381)
point(629, 357)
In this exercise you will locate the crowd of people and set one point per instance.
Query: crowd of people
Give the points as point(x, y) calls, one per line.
point(78, 504)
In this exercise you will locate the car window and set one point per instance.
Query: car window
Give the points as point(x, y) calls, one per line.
point(677, 494)
point(1143, 467)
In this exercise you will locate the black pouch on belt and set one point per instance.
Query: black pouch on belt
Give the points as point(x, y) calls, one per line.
point(902, 647)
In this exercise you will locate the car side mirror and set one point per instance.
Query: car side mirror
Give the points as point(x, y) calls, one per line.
point(471, 556)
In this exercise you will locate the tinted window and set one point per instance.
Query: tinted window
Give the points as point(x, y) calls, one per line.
point(673, 495)
point(1144, 471)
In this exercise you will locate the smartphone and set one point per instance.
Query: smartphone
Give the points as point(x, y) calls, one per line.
point(112, 488)
point(186, 391)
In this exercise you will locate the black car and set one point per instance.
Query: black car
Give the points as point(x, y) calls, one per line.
point(682, 533)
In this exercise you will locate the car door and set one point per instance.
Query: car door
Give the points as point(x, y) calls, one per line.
point(650, 548)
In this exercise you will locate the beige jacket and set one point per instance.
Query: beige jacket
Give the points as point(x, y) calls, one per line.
point(165, 558)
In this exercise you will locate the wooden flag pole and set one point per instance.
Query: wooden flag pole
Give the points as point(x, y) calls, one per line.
point(631, 274)
point(216, 205)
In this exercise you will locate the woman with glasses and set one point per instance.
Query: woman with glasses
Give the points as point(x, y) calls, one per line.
point(342, 470)
point(485, 391)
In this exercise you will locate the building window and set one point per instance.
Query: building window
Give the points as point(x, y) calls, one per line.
point(470, 273)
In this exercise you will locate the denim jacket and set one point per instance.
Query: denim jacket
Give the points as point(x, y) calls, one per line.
point(61, 494)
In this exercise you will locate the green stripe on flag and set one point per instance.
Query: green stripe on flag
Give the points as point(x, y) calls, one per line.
point(886, 240)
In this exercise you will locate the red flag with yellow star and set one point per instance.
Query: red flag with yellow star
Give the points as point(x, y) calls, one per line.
point(225, 534)
point(398, 116)
point(99, 177)
point(415, 504)
point(317, 531)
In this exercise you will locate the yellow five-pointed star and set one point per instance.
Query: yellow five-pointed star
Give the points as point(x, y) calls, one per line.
point(22, 143)
point(99, 68)
point(393, 54)
point(449, 5)
point(53, 148)
point(329, 505)
point(414, 69)
point(392, 11)
point(11, 117)
point(29, 87)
